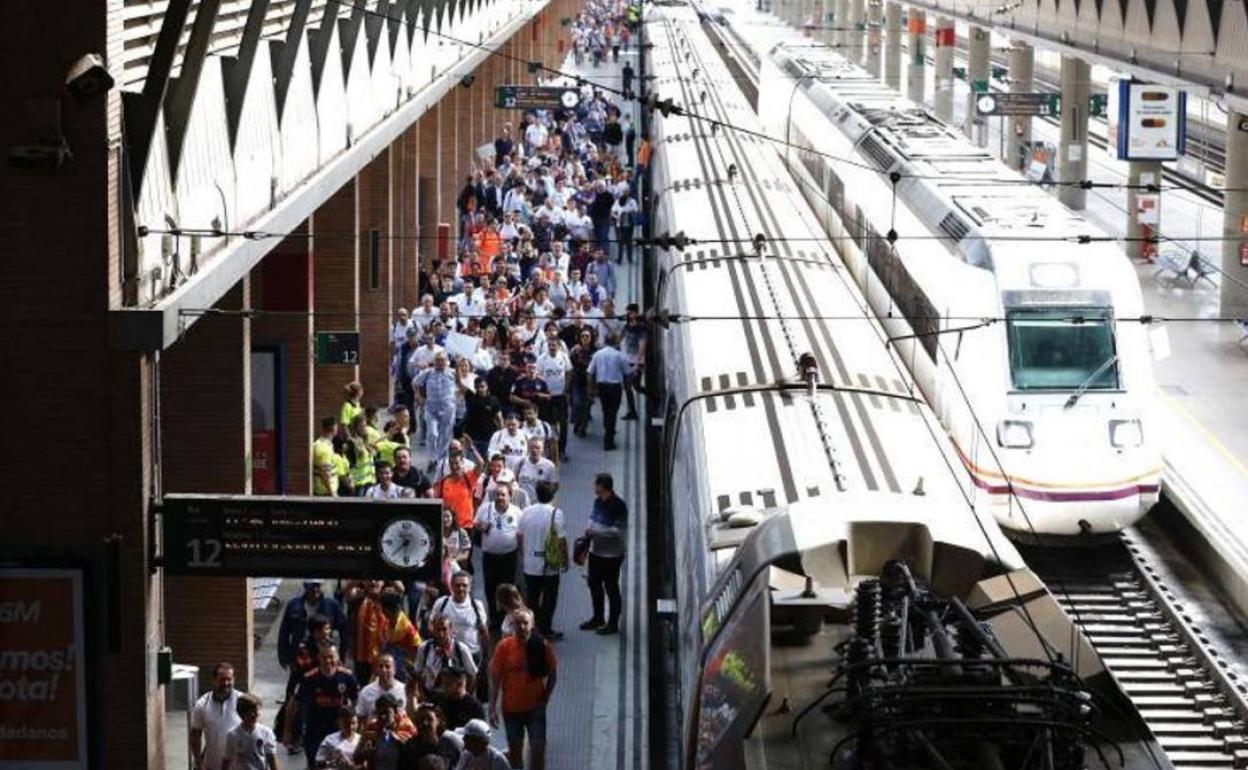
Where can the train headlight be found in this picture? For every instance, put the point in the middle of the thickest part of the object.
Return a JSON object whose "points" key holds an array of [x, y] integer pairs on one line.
{"points": [[1126, 434], [1014, 434]]}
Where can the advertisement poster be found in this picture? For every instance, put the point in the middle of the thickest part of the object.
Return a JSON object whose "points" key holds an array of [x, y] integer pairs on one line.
{"points": [[42, 670], [1146, 122]]}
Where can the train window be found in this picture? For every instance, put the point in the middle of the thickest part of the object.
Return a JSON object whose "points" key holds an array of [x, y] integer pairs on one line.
{"points": [[1049, 351], [734, 686]]}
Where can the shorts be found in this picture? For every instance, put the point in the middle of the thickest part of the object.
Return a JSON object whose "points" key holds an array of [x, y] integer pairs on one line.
{"points": [[517, 722]]}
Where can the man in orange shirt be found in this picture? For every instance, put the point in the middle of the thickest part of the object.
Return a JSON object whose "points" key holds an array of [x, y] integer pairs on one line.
{"points": [[455, 490], [522, 672]]}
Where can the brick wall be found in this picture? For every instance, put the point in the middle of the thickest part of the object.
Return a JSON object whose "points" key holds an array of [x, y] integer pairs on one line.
{"points": [[406, 263], [289, 263], [376, 304], [334, 293], [205, 446], [429, 186]]}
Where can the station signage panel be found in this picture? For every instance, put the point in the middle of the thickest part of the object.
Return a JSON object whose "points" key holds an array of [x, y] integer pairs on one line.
{"points": [[1018, 104], [253, 536], [338, 348], [520, 97], [43, 669], [1146, 122]]}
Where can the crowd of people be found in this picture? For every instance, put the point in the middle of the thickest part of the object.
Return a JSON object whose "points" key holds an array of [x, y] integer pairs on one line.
{"points": [[515, 340]]}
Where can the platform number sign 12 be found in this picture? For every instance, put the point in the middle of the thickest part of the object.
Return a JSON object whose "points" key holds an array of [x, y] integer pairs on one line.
{"points": [[341, 348]]}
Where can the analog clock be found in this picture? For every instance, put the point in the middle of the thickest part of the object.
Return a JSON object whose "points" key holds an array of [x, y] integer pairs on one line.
{"points": [[570, 99], [405, 544]]}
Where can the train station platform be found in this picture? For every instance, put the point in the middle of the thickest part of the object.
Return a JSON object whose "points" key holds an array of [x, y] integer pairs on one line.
{"points": [[597, 716]]}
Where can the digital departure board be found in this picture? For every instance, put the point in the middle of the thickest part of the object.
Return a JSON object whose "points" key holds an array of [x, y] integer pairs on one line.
{"points": [[301, 536], [517, 97]]}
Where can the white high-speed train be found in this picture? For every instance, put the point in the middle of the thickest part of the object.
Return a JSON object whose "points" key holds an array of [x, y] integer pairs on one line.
{"points": [[1050, 405], [798, 459]]}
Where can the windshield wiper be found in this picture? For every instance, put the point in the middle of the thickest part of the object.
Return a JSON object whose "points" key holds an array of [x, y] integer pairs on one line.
{"points": [[1074, 397]]}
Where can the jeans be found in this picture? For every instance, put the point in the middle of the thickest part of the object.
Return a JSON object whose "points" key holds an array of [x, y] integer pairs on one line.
{"points": [[579, 396], [610, 393], [556, 413], [624, 244], [602, 233], [541, 593], [440, 422], [604, 578], [499, 568]]}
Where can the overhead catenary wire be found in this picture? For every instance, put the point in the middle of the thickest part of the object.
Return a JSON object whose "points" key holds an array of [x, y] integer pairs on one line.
{"points": [[537, 66]]}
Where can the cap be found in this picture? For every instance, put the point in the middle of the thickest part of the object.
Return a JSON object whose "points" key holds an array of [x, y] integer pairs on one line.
{"points": [[311, 584], [505, 476], [477, 728]]}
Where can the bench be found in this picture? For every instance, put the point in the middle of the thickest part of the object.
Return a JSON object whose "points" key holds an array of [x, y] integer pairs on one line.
{"points": [[1185, 266]]}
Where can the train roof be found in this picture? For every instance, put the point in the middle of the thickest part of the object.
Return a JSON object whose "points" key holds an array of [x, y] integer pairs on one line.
{"points": [[745, 318]]}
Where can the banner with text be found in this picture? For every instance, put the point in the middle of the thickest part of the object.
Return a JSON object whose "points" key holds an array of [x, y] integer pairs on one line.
{"points": [[42, 670]]}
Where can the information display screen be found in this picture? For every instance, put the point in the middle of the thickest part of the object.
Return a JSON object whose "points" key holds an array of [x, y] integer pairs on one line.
{"points": [[302, 536]]}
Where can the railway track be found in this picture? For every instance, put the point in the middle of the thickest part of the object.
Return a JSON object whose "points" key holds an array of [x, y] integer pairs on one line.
{"points": [[1136, 615]]}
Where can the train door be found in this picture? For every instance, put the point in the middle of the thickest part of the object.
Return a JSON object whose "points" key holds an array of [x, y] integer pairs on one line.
{"points": [[267, 438]]}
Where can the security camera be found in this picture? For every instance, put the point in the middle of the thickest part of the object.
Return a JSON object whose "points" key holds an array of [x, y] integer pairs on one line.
{"points": [[88, 77], [467, 80]]}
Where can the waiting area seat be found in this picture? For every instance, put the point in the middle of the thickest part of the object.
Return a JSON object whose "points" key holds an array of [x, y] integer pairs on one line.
{"points": [[1174, 265]]}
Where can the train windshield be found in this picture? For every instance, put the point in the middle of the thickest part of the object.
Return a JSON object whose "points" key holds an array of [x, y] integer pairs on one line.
{"points": [[1062, 349]]}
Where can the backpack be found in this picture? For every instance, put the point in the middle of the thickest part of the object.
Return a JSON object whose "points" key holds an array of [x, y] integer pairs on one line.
{"points": [[440, 607]]}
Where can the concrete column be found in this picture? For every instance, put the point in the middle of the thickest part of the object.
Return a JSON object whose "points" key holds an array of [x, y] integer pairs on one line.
{"points": [[1234, 298], [335, 292], [875, 36], [1022, 64], [892, 45], [945, 39], [858, 51], [1072, 148], [375, 276], [916, 69], [852, 49], [827, 23], [205, 391], [841, 24], [979, 45], [1143, 207], [281, 285]]}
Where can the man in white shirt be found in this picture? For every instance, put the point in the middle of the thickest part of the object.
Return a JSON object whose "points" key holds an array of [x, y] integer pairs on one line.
{"points": [[250, 745], [576, 287], [401, 326], [497, 520], [535, 135], [509, 441], [212, 718], [468, 616], [534, 467], [385, 488], [384, 684], [539, 523], [553, 366], [426, 313]]}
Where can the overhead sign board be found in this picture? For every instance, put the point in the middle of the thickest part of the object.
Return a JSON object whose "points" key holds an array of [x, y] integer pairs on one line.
{"points": [[518, 97], [338, 348], [1146, 121], [43, 669], [244, 535], [1006, 103]]}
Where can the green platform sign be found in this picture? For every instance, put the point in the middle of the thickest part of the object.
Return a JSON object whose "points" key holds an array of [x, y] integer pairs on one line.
{"points": [[1098, 105]]}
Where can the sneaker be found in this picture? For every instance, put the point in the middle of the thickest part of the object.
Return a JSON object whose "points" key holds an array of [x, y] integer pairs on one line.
{"points": [[629, 416], [591, 624], [608, 630], [609, 446]]}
